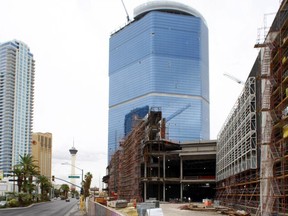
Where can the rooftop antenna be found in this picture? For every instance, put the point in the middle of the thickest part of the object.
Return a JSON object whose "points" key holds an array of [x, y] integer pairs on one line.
{"points": [[127, 15]]}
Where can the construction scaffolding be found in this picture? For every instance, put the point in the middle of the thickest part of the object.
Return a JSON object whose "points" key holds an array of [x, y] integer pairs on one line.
{"points": [[268, 117], [274, 100], [261, 189], [236, 163], [238, 135], [113, 178], [130, 164], [148, 166], [124, 177]]}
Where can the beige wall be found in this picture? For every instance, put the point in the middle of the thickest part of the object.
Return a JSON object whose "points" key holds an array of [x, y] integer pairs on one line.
{"points": [[42, 152]]}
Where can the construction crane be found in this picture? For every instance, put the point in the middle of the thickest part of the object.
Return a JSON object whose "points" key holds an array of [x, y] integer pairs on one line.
{"points": [[127, 15], [179, 111], [164, 121], [234, 78]]}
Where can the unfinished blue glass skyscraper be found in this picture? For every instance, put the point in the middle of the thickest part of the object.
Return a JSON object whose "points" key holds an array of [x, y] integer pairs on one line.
{"points": [[160, 59]]}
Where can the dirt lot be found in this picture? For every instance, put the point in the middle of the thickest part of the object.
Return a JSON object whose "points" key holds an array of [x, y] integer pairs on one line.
{"points": [[172, 209], [178, 209]]}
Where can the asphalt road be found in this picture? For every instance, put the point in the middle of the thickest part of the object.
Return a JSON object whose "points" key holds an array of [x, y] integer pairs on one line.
{"points": [[53, 208]]}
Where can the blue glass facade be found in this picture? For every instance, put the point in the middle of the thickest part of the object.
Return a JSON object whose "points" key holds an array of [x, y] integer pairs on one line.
{"points": [[161, 60], [16, 102]]}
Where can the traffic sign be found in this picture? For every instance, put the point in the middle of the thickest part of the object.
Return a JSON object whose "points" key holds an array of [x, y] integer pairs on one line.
{"points": [[73, 176]]}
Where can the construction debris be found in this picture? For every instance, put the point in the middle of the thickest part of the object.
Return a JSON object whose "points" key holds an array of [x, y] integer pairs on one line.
{"points": [[117, 203], [220, 210]]}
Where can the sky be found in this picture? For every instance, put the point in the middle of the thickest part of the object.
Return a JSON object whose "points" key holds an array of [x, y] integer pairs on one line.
{"points": [[70, 43]]}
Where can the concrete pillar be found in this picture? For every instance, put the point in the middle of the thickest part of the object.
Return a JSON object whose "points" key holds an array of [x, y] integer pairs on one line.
{"points": [[164, 176], [164, 191], [145, 183], [145, 191], [164, 166], [145, 169], [181, 191], [181, 169], [181, 178]]}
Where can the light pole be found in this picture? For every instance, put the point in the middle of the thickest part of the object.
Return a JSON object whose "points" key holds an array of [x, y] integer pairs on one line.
{"points": [[82, 190], [66, 163]]}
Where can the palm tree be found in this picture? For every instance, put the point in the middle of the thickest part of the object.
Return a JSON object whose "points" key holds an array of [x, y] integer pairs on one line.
{"points": [[29, 170], [65, 189], [45, 186], [19, 174], [56, 192], [87, 184], [33, 172]]}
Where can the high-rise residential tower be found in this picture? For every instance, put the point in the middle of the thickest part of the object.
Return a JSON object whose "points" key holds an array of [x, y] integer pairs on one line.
{"points": [[160, 59], [16, 102]]}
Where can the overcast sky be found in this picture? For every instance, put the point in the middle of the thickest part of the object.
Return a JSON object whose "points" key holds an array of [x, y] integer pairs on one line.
{"points": [[70, 43]]}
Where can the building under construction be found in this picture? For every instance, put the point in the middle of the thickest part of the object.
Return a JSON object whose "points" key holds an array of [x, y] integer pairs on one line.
{"points": [[148, 166], [252, 148]]}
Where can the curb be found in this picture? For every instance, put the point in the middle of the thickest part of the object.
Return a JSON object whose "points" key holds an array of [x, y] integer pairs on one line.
{"points": [[24, 207]]}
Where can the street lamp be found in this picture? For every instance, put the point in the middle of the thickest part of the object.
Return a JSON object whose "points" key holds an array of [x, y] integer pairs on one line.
{"points": [[66, 163], [82, 190]]}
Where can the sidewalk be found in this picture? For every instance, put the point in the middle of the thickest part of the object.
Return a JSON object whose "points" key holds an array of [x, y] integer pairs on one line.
{"points": [[75, 211]]}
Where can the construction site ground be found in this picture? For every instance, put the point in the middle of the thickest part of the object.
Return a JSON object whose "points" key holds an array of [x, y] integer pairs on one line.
{"points": [[188, 209], [185, 209], [174, 209]]}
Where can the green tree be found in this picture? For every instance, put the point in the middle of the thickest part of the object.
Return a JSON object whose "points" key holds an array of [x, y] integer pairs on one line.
{"points": [[73, 192], [19, 175], [33, 172], [29, 169], [45, 186], [56, 192], [65, 189], [87, 184]]}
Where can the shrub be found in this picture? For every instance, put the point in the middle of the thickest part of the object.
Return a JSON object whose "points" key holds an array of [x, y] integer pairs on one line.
{"points": [[13, 203], [11, 195], [25, 199]]}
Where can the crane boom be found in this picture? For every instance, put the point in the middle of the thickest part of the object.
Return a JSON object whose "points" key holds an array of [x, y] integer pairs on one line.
{"points": [[234, 78], [177, 112], [127, 15]]}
